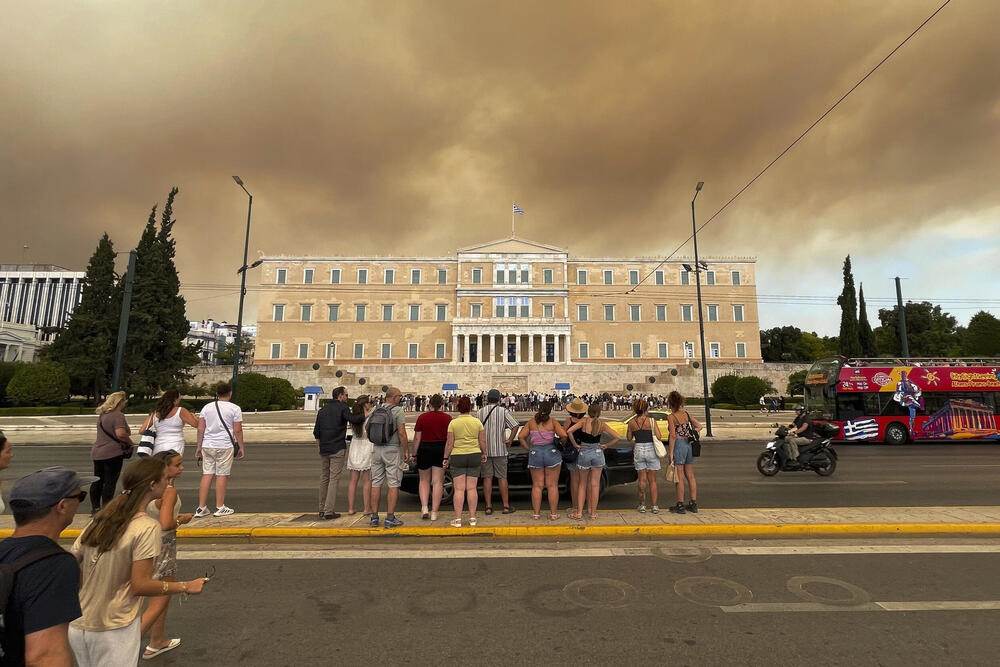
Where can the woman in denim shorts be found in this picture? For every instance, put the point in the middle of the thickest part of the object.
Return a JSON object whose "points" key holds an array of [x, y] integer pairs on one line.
{"points": [[640, 430], [682, 429], [544, 458], [586, 436], [575, 411]]}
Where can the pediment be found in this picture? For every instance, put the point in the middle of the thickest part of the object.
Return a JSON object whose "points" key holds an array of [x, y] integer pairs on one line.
{"points": [[512, 245]]}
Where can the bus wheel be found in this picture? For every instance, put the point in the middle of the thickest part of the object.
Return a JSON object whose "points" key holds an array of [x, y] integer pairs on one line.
{"points": [[896, 434]]}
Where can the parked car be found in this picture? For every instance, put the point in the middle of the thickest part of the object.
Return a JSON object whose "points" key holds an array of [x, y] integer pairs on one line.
{"points": [[620, 427], [619, 469]]}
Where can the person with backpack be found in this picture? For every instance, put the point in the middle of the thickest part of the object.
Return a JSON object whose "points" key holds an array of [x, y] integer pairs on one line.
{"points": [[39, 580], [111, 447], [330, 432], [497, 420], [683, 432], [391, 447], [220, 439], [117, 552]]}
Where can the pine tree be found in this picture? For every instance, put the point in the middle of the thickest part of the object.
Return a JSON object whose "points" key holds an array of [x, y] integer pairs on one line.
{"points": [[866, 337], [85, 348], [850, 344]]}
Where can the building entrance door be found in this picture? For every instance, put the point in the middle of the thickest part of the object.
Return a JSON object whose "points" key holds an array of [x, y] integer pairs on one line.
{"points": [[550, 351], [511, 352], [473, 352]]}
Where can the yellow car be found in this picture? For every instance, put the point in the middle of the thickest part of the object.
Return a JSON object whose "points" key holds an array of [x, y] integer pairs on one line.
{"points": [[621, 427]]}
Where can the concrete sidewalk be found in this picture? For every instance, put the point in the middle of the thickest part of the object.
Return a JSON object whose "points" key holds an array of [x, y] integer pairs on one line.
{"points": [[610, 524]]}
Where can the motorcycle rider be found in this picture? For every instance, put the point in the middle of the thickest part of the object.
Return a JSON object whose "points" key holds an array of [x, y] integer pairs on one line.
{"points": [[802, 434]]}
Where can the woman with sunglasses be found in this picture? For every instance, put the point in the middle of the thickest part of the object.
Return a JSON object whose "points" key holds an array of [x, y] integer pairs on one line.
{"points": [[117, 553], [166, 511], [575, 412]]}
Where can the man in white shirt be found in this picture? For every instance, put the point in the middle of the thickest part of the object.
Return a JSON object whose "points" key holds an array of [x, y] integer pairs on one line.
{"points": [[220, 432]]}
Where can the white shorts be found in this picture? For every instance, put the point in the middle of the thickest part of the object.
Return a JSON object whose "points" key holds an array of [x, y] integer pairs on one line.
{"points": [[217, 461], [120, 646]]}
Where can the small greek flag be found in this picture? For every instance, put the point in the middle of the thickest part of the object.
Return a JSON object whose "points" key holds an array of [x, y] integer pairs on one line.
{"points": [[518, 210], [861, 430]]}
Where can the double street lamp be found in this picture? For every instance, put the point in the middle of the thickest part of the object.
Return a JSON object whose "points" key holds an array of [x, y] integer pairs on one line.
{"points": [[243, 285], [698, 266]]}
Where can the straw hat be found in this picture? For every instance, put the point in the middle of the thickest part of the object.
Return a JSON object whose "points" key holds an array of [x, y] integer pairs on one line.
{"points": [[577, 406]]}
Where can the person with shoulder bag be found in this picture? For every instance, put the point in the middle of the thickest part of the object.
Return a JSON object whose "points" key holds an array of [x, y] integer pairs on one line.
{"points": [[683, 434], [220, 440], [111, 447]]}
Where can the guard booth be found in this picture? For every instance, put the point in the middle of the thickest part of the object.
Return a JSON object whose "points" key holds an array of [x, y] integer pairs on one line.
{"points": [[561, 389], [313, 395], [449, 388]]}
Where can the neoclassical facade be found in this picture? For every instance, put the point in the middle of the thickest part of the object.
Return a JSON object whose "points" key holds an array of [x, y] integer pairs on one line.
{"points": [[508, 302]]}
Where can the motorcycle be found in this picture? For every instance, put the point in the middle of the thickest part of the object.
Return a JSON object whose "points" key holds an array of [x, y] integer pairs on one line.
{"points": [[819, 456]]}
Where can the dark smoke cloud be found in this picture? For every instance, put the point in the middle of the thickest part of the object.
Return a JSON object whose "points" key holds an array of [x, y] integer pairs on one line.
{"points": [[353, 121]]}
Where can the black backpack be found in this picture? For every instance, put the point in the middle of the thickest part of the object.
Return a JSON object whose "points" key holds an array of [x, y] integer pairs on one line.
{"points": [[8, 573], [381, 425]]}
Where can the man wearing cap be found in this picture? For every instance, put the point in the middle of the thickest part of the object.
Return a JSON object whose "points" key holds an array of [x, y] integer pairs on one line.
{"points": [[496, 421], [45, 596]]}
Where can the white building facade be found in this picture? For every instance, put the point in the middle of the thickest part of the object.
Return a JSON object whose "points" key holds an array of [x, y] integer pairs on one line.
{"points": [[40, 295]]}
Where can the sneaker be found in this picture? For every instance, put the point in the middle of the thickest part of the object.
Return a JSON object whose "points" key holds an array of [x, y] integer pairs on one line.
{"points": [[392, 522], [326, 516], [642, 509], [374, 520], [655, 510], [201, 513], [434, 516], [693, 506], [455, 523], [224, 511], [678, 508]]}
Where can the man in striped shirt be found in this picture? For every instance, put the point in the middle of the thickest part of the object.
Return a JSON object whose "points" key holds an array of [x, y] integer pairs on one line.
{"points": [[497, 420]]}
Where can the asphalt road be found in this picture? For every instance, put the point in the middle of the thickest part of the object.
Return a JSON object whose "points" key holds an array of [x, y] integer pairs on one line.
{"points": [[283, 478], [673, 604]]}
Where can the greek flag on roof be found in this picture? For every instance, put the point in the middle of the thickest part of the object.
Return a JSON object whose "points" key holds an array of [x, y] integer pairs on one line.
{"points": [[518, 210]]}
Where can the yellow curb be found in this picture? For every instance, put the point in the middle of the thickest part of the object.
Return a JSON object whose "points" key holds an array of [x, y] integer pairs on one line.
{"points": [[658, 530]]}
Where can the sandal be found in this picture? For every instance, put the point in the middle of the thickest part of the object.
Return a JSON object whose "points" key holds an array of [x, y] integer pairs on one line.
{"points": [[536, 517], [455, 523], [508, 510], [592, 516], [473, 521], [575, 516], [553, 517], [151, 652], [489, 511]]}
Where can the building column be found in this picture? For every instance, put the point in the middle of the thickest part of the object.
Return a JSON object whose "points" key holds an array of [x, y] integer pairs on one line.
{"points": [[482, 349], [517, 348], [569, 350], [454, 348], [557, 338], [531, 348], [466, 348], [503, 348]]}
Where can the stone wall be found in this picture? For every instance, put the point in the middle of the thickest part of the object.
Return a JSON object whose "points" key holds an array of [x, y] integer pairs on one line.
{"points": [[582, 378]]}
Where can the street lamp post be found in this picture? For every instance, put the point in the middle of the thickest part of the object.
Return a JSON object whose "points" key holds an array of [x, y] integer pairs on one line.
{"points": [[701, 318], [243, 286]]}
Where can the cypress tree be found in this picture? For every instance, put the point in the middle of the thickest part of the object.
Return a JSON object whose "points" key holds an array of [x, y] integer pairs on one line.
{"points": [[175, 355], [85, 347], [866, 337], [850, 344]]}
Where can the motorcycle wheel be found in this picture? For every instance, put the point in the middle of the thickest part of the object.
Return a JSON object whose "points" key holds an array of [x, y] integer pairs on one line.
{"points": [[767, 464], [826, 468]]}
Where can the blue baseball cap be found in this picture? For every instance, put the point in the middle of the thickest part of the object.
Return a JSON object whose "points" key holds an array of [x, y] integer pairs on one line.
{"points": [[47, 487]]}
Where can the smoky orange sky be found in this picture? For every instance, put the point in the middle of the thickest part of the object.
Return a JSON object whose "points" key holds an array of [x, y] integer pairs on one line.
{"points": [[409, 127]]}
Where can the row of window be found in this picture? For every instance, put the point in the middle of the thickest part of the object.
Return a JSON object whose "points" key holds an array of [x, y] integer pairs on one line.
{"points": [[413, 350], [510, 307], [507, 274]]}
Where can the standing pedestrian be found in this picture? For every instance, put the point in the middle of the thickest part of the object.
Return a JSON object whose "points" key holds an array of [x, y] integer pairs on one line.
{"points": [[386, 429], [464, 454], [641, 429], [587, 432], [430, 435], [117, 553], [167, 511], [330, 433], [220, 439], [575, 411], [544, 459], [168, 419], [112, 445], [45, 595], [498, 421], [359, 457], [682, 433]]}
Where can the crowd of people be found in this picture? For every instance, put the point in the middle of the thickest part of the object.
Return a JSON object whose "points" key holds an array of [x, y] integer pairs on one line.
{"points": [[532, 401], [93, 604]]}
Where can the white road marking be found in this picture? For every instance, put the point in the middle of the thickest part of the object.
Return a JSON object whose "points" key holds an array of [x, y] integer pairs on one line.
{"points": [[926, 605], [941, 605], [960, 465], [355, 553], [835, 482]]}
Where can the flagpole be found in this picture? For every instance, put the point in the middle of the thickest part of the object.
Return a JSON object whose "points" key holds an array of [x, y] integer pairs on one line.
{"points": [[512, 220]]}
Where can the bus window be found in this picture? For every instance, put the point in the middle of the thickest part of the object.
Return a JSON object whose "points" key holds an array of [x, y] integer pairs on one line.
{"points": [[850, 406]]}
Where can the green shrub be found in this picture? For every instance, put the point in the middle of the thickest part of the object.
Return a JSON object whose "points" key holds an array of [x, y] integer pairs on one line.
{"points": [[39, 384], [45, 411], [253, 392], [7, 370], [750, 388], [797, 383], [724, 388], [283, 394]]}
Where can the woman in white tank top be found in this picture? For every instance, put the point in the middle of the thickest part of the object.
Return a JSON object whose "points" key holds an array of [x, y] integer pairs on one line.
{"points": [[168, 419]]}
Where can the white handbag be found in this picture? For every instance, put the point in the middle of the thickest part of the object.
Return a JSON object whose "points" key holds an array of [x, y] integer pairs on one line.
{"points": [[661, 451]]}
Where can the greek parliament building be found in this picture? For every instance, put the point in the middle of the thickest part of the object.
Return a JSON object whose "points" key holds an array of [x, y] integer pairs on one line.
{"points": [[511, 313], [39, 295]]}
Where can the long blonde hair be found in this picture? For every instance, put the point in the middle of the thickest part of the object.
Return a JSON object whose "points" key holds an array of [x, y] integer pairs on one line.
{"points": [[115, 400], [110, 523], [594, 412]]}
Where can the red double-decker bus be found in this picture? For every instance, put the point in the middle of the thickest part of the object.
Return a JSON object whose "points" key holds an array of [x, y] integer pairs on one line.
{"points": [[902, 400]]}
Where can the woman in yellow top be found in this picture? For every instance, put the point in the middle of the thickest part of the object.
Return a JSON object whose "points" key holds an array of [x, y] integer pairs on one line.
{"points": [[464, 455]]}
